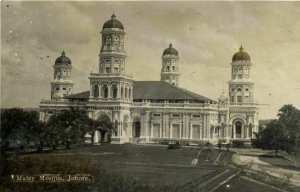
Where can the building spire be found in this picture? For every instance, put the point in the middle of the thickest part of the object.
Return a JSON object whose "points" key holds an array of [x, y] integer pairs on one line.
{"points": [[113, 16], [241, 48], [63, 53], [170, 45]]}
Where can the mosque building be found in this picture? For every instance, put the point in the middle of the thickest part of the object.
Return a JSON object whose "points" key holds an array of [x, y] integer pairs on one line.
{"points": [[155, 111]]}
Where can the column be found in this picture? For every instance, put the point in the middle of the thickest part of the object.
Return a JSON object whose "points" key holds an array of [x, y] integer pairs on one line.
{"points": [[119, 91], [160, 130], [242, 134], [191, 131], [171, 130], [204, 126], [109, 90], [233, 127], [91, 90], [100, 89], [180, 130]]}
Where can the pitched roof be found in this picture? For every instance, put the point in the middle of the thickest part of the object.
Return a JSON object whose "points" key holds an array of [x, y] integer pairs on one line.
{"points": [[158, 90], [154, 90], [82, 95]]}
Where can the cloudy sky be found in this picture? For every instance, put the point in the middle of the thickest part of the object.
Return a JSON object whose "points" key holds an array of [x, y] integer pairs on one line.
{"points": [[206, 35]]}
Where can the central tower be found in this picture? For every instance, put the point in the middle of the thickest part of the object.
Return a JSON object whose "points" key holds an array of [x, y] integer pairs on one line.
{"points": [[111, 83]]}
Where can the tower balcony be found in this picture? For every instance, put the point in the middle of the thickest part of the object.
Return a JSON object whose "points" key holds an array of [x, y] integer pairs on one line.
{"points": [[110, 75]]}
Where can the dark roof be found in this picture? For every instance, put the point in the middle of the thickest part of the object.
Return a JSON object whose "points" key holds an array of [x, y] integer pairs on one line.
{"points": [[241, 55], [63, 60], [158, 90], [82, 95], [113, 23], [170, 51], [154, 90]]}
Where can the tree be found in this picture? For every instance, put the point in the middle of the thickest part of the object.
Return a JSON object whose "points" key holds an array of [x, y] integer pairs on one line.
{"points": [[66, 127], [281, 134], [289, 118], [19, 126], [104, 125]]}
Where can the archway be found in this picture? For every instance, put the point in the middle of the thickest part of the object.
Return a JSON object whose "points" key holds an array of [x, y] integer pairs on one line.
{"points": [[238, 126], [96, 91], [136, 128], [105, 127]]}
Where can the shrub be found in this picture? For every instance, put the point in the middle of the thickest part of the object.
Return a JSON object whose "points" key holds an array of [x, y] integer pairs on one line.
{"points": [[176, 145], [238, 144]]}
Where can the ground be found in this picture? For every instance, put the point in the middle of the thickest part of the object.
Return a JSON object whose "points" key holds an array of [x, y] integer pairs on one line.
{"points": [[157, 166]]}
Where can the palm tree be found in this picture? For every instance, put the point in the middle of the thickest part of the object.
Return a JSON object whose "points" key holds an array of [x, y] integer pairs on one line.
{"points": [[103, 125]]}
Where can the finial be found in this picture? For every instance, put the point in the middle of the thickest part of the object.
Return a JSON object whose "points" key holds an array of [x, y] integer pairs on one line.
{"points": [[170, 45], [63, 53], [241, 48], [113, 16]]}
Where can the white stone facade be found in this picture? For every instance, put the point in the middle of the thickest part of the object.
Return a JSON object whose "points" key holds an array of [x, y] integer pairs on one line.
{"points": [[232, 117]]}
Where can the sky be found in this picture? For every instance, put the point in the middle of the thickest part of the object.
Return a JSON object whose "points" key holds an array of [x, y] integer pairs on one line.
{"points": [[206, 35]]}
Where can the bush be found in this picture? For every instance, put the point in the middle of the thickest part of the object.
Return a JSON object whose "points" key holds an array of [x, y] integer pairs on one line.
{"points": [[176, 145], [238, 144], [164, 142]]}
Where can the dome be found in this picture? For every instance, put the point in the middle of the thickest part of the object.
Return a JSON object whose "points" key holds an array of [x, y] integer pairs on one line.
{"points": [[113, 23], [63, 60], [241, 55], [170, 51]]}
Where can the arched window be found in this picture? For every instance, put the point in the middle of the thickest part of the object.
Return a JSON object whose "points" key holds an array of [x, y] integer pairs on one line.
{"points": [[168, 68], [173, 68], [238, 125], [129, 93], [126, 93], [96, 90], [114, 90], [104, 91], [122, 92]]}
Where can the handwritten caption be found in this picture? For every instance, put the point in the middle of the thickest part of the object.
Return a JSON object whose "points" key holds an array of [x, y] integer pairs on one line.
{"points": [[53, 178]]}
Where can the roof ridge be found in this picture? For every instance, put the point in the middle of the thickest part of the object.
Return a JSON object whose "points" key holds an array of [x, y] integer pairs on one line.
{"points": [[188, 92]]}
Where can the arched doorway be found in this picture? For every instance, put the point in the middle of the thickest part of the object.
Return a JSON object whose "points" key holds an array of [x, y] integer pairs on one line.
{"points": [[238, 126], [136, 128], [105, 127]]}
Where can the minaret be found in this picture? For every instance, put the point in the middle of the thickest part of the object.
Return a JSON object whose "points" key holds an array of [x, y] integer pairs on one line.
{"points": [[243, 112], [169, 71], [241, 86], [61, 86], [112, 53], [111, 83]]}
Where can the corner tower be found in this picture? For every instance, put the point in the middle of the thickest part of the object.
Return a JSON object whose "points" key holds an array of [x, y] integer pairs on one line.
{"points": [[241, 86], [243, 112], [62, 85], [169, 71]]}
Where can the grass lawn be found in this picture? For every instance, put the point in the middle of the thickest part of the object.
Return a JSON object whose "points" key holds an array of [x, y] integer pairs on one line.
{"points": [[154, 164]]}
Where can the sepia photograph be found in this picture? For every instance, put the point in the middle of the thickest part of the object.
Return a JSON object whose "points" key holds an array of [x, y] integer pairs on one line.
{"points": [[150, 96]]}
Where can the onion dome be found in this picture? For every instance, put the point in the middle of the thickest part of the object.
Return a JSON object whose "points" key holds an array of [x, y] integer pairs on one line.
{"points": [[113, 23], [63, 60], [170, 51], [241, 55]]}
